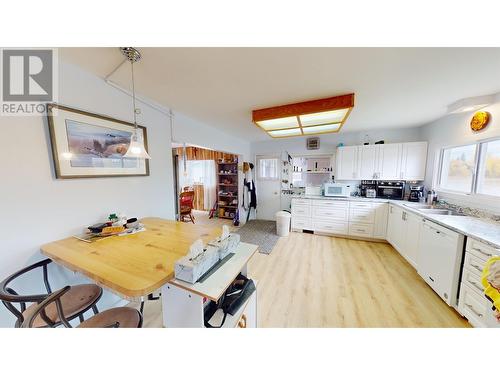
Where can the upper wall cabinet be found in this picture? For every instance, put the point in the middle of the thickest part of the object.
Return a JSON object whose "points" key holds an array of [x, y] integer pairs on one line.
{"points": [[396, 161], [347, 163], [414, 157]]}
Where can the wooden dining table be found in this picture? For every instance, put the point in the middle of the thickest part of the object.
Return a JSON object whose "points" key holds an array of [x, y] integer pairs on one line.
{"points": [[134, 265]]}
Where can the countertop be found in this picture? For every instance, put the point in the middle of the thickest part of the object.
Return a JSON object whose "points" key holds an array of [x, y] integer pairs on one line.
{"points": [[486, 231]]}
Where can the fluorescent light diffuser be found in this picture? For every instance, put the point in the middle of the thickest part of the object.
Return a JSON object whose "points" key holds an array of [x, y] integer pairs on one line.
{"points": [[284, 133], [329, 128], [326, 115], [322, 118], [279, 123]]}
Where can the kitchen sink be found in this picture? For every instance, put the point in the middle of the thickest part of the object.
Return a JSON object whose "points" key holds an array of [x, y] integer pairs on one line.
{"points": [[439, 211], [417, 206]]}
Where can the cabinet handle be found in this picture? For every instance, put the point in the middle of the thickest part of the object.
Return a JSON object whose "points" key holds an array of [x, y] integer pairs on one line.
{"points": [[477, 267], [243, 321], [477, 286], [482, 252], [471, 308]]}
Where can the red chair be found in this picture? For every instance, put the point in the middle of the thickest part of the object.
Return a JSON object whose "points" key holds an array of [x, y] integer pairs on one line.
{"points": [[186, 205]]}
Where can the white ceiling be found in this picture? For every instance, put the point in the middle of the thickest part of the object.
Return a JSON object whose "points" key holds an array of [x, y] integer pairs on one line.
{"points": [[394, 87]]}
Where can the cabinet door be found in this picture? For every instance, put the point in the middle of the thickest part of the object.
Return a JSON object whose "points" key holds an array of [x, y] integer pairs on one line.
{"points": [[412, 237], [347, 162], [389, 161], [381, 219], [367, 162], [413, 160], [394, 225]]}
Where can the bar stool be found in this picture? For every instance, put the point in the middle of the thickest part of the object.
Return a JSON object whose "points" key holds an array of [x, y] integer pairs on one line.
{"points": [[118, 317], [78, 299]]}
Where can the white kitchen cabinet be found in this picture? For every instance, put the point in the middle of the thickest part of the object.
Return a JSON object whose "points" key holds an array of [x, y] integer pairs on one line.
{"points": [[413, 161], [439, 258], [395, 227], [472, 302], [403, 233], [389, 161], [368, 162], [347, 163], [381, 218], [411, 240], [392, 161]]}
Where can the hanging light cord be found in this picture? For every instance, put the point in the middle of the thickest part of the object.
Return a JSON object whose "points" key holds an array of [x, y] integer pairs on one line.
{"points": [[133, 96]]}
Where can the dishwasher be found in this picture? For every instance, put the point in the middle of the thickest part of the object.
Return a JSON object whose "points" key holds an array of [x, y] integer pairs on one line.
{"points": [[440, 260]]}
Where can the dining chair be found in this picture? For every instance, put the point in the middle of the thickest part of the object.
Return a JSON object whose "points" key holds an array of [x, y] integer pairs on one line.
{"points": [[118, 317], [186, 205], [78, 299]]}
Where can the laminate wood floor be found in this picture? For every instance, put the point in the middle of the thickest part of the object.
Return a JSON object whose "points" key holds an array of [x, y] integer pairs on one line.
{"points": [[319, 281]]}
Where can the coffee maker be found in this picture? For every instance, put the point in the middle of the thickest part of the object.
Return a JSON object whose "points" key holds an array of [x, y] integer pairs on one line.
{"points": [[416, 193]]}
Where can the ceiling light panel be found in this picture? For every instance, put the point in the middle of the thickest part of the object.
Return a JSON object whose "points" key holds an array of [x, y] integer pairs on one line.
{"points": [[284, 133], [279, 123], [329, 128], [322, 118], [326, 115]]}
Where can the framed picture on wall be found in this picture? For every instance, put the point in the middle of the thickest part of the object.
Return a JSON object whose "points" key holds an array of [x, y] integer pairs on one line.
{"points": [[89, 145]]}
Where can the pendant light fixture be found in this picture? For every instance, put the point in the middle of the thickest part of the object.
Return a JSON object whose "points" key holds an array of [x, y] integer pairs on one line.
{"points": [[136, 148]]}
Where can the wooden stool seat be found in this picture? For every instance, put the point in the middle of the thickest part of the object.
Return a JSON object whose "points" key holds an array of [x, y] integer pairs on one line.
{"points": [[77, 300], [122, 317]]}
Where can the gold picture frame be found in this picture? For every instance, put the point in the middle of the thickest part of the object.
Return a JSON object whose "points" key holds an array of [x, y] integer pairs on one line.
{"points": [[89, 145]]}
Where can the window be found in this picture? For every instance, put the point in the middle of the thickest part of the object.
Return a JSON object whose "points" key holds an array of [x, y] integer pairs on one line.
{"points": [[489, 172], [268, 169], [457, 168], [459, 165]]}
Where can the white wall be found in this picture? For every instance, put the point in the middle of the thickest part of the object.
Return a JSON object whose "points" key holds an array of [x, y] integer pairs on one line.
{"points": [[36, 208], [455, 130], [329, 142]]}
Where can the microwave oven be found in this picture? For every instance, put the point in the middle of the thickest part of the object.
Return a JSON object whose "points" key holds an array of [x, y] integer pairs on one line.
{"points": [[333, 189]]}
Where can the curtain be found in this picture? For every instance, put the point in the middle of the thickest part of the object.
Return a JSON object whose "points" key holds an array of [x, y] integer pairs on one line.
{"points": [[200, 172]]}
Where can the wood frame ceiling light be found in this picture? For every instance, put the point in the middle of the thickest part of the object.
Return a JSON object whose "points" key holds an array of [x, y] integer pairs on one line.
{"points": [[319, 116]]}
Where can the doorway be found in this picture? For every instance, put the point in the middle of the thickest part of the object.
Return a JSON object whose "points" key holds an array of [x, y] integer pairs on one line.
{"points": [[207, 182]]}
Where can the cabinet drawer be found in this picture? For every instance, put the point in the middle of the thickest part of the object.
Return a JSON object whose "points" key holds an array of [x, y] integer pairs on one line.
{"points": [[481, 250], [301, 223], [334, 227], [301, 202], [474, 264], [320, 212], [366, 205], [472, 306], [330, 203], [361, 230], [299, 210], [362, 215], [472, 280]]}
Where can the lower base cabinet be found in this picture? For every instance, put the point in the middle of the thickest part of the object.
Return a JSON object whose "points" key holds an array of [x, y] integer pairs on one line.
{"points": [[472, 303], [357, 218], [403, 233]]}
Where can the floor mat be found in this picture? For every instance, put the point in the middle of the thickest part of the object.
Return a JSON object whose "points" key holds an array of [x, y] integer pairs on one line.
{"points": [[261, 233]]}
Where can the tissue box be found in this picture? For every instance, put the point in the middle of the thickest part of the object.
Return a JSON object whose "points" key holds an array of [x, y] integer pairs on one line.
{"points": [[191, 269], [227, 245]]}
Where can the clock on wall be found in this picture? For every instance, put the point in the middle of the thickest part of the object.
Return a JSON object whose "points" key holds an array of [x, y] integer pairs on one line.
{"points": [[479, 121]]}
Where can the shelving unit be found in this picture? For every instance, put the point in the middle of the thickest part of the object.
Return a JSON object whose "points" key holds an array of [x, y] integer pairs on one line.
{"points": [[227, 189]]}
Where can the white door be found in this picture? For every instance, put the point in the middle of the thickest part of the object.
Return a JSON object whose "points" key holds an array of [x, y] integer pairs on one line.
{"points": [[347, 158], [367, 162], [381, 219], [389, 161], [412, 237], [268, 184], [413, 160], [395, 227]]}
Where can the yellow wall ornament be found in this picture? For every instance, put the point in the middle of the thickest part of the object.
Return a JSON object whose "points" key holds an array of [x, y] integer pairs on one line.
{"points": [[479, 121]]}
